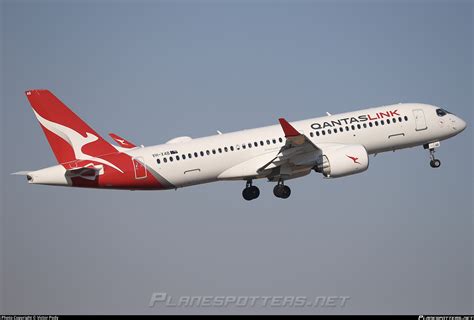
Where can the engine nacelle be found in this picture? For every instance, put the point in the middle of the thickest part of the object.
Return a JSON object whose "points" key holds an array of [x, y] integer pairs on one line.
{"points": [[339, 161]]}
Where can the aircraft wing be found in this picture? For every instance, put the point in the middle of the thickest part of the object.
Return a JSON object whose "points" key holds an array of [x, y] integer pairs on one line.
{"points": [[297, 155], [296, 158], [293, 136]]}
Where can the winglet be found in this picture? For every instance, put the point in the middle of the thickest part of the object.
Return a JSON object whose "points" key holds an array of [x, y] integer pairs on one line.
{"points": [[121, 141], [288, 129]]}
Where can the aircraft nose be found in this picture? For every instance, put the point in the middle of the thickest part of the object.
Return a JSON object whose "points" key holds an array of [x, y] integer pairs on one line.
{"points": [[461, 124]]}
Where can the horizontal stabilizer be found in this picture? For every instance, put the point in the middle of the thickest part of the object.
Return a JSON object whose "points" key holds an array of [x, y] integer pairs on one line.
{"points": [[89, 173], [20, 173], [121, 141]]}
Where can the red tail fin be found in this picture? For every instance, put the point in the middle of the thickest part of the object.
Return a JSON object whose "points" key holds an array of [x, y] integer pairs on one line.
{"points": [[68, 135]]}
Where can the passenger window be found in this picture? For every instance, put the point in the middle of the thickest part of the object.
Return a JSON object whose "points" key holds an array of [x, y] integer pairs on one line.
{"points": [[231, 148], [280, 139], [255, 144], [208, 152], [202, 153], [394, 120], [250, 145], [317, 133], [311, 134], [243, 146], [158, 161], [370, 124], [268, 141], [388, 121], [165, 160], [225, 149], [353, 127], [213, 151], [195, 154], [358, 126], [323, 132], [365, 125], [177, 158], [382, 122], [171, 159], [347, 128], [406, 118], [399, 119], [220, 150], [261, 143], [329, 131], [376, 123], [274, 141], [183, 157]]}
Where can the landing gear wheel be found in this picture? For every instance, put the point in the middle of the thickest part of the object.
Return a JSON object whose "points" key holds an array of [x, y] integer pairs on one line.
{"points": [[277, 190], [281, 191], [246, 194], [254, 191], [435, 163], [286, 192], [250, 192]]}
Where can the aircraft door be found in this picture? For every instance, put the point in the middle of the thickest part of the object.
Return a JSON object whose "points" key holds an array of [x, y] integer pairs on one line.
{"points": [[420, 120], [139, 167]]}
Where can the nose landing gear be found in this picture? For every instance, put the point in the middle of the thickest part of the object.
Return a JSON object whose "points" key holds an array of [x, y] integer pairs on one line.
{"points": [[250, 192], [434, 163]]}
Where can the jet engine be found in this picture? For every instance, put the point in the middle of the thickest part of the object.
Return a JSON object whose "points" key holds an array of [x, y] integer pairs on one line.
{"points": [[344, 160]]}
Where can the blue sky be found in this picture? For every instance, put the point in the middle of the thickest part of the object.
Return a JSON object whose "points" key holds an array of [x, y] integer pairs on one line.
{"points": [[396, 239]]}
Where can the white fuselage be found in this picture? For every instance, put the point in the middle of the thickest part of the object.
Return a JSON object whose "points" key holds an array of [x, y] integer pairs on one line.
{"points": [[377, 129], [336, 146]]}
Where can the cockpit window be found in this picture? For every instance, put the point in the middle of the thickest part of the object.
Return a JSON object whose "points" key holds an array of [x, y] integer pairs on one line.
{"points": [[441, 113]]}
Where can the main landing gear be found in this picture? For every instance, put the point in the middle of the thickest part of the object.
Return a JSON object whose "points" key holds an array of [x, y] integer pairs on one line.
{"points": [[281, 191], [250, 192]]}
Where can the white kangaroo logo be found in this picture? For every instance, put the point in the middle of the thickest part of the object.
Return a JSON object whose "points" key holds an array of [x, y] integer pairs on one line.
{"points": [[75, 140]]}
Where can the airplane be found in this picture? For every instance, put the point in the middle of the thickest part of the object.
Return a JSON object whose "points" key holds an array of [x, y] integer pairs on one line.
{"points": [[335, 145]]}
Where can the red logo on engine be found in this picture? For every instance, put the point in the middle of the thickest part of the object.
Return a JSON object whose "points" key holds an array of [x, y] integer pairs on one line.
{"points": [[353, 159]]}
